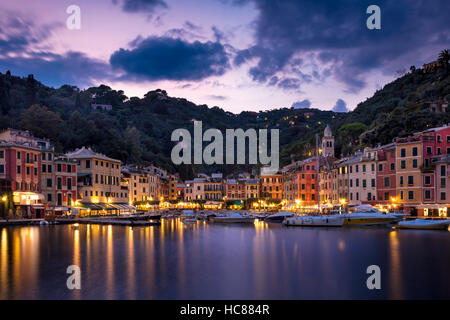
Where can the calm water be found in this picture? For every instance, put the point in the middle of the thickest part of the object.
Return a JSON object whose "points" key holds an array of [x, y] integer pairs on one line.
{"points": [[212, 261]]}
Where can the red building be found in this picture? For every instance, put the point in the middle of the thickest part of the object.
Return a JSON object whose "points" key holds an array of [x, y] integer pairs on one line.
{"points": [[386, 175], [435, 143], [307, 182], [235, 189], [65, 189], [20, 164]]}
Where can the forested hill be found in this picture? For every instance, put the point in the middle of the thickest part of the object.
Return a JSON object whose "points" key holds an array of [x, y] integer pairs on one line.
{"points": [[138, 130]]}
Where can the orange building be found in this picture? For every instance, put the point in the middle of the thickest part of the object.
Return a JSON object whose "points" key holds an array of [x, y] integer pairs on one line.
{"points": [[408, 154]]}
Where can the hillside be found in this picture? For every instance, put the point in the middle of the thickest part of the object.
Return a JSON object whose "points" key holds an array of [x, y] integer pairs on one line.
{"points": [[138, 130]]}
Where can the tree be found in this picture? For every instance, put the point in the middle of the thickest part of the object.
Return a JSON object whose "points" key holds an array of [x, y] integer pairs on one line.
{"points": [[350, 133], [444, 57], [41, 121]]}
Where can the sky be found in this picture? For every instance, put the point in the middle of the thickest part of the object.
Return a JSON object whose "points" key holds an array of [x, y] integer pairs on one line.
{"points": [[236, 54]]}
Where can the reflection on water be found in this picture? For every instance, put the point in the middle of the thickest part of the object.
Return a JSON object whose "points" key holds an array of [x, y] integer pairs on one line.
{"points": [[221, 261]]}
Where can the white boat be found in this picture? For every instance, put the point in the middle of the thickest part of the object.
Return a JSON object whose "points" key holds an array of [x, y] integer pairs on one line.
{"points": [[424, 224], [233, 218], [315, 221], [366, 215], [279, 217]]}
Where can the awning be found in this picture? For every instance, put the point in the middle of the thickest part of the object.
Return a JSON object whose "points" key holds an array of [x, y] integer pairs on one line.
{"points": [[91, 206], [83, 174], [124, 206]]}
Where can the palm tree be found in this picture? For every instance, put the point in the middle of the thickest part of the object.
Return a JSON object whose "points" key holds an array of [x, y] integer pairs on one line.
{"points": [[444, 57]]}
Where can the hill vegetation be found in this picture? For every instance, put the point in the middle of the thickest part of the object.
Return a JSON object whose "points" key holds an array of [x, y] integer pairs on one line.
{"points": [[138, 130]]}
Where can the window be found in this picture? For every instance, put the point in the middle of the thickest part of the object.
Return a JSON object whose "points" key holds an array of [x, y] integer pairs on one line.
{"points": [[439, 138], [429, 150], [364, 168], [369, 196], [401, 180], [59, 199], [69, 183], [387, 182], [59, 182], [403, 164], [401, 195], [88, 164], [18, 154], [49, 156], [386, 196], [427, 180], [442, 182], [443, 196], [414, 163], [49, 195], [373, 183], [403, 152], [356, 168], [410, 195], [427, 194], [410, 180], [442, 170], [44, 167], [43, 156], [364, 183], [357, 182], [18, 169], [58, 167], [392, 166], [2, 168], [49, 183], [49, 168], [414, 151], [438, 150]]}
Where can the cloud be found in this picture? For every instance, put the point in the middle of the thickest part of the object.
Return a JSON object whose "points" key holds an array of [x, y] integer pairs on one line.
{"points": [[304, 104], [23, 51], [340, 106], [216, 97], [289, 83], [147, 6], [334, 33], [165, 58], [56, 69]]}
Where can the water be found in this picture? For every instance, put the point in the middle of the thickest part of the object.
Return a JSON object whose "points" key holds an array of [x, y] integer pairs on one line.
{"points": [[215, 261]]}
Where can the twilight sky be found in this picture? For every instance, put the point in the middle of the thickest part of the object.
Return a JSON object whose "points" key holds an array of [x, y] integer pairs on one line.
{"points": [[236, 54]]}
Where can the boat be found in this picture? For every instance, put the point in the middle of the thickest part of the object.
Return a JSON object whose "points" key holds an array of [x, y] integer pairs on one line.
{"points": [[424, 224], [366, 215], [233, 218], [279, 217], [315, 221]]}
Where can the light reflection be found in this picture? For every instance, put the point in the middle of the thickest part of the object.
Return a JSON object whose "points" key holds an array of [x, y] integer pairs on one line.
{"points": [[110, 264], [76, 257], [131, 266], [4, 264], [395, 272]]}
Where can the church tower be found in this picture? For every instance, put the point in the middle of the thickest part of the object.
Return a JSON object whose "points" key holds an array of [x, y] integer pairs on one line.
{"points": [[328, 143]]}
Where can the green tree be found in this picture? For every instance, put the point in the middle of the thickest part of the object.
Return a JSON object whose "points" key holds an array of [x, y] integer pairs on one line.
{"points": [[41, 121]]}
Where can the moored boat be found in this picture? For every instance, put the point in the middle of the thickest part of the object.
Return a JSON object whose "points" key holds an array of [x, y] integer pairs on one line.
{"points": [[279, 217], [366, 215], [233, 218], [315, 221], [424, 224]]}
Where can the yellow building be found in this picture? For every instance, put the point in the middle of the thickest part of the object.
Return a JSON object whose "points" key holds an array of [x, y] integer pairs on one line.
{"points": [[99, 181]]}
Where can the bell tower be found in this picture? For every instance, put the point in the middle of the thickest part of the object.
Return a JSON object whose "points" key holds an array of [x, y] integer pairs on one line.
{"points": [[328, 143]]}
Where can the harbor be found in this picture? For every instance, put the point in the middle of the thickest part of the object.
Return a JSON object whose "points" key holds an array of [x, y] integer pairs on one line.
{"points": [[202, 259]]}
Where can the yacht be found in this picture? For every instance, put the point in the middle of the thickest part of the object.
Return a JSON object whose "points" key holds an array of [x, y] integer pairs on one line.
{"points": [[315, 221], [424, 224], [233, 218], [366, 215], [279, 217]]}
